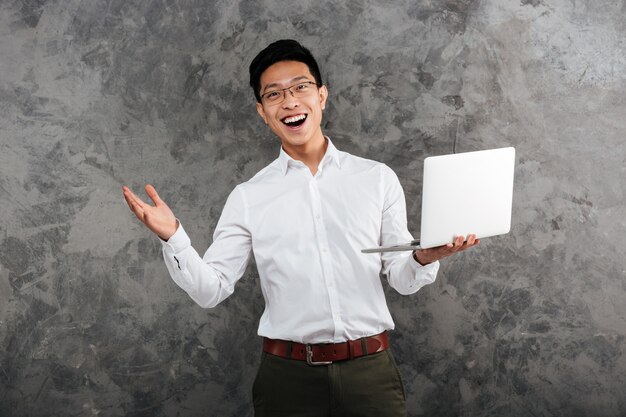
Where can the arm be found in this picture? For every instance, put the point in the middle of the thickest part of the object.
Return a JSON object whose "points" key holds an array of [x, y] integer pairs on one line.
{"points": [[404, 273], [407, 273], [210, 279]]}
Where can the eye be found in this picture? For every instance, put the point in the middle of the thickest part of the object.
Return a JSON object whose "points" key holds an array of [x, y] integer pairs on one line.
{"points": [[272, 95], [302, 87]]}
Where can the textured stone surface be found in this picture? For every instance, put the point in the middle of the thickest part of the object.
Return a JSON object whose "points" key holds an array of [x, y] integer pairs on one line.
{"points": [[95, 94]]}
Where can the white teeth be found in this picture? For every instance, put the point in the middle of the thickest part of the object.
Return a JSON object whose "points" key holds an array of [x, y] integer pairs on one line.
{"points": [[294, 118]]}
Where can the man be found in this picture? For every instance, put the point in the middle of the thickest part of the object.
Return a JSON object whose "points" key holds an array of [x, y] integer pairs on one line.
{"points": [[306, 216]]}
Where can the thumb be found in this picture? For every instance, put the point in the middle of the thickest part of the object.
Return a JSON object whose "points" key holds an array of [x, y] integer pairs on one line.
{"points": [[153, 195]]}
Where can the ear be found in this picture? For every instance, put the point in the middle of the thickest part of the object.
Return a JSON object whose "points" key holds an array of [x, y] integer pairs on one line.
{"points": [[323, 94], [259, 109]]}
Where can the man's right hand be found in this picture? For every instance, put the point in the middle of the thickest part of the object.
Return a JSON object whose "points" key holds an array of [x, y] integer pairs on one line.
{"points": [[158, 218]]}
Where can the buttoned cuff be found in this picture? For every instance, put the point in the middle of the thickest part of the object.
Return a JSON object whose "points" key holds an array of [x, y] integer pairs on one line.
{"points": [[179, 241]]}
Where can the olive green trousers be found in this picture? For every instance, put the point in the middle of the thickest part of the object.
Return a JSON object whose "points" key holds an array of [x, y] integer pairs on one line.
{"points": [[369, 386]]}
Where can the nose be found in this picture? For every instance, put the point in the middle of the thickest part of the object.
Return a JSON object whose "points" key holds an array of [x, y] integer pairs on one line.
{"points": [[290, 101]]}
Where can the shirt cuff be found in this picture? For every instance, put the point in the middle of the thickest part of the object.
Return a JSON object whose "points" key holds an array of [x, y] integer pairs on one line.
{"points": [[416, 265], [179, 241]]}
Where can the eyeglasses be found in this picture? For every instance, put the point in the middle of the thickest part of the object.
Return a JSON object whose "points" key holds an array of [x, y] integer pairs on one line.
{"points": [[299, 90]]}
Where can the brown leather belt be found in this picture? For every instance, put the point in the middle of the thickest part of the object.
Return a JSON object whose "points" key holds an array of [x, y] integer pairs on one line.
{"points": [[326, 353]]}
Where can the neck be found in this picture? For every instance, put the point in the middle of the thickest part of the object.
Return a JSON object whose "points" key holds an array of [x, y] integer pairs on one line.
{"points": [[311, 152]]}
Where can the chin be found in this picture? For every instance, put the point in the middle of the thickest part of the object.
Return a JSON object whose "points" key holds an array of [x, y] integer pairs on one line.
{"points": [[296, 141], [295, 137]]}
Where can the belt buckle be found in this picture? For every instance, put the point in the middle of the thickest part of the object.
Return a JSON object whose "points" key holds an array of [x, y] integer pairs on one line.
{"points": [[309, 357]]}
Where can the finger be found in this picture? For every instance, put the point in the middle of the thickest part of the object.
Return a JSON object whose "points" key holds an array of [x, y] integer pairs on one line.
{"points": [[138, 210], [153, 195], [136, 200], [471, 241], [458, 242], [128, 201]]}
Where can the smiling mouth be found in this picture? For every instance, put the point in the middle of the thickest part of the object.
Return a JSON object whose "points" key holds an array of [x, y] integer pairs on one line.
{"points": [[295, 121]]}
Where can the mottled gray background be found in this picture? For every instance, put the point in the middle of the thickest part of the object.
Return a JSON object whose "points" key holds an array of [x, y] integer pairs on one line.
{"points": [[95, 94]]}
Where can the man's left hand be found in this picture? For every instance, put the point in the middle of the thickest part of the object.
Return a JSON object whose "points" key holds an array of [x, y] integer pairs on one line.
{"points": [[426, 256]]}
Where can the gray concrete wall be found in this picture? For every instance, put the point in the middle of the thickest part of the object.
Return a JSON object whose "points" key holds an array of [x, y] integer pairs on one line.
{"points": [[95, 94]]}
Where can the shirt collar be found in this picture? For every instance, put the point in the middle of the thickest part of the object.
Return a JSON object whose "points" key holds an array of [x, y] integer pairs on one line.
{"points": [[332, 154]]}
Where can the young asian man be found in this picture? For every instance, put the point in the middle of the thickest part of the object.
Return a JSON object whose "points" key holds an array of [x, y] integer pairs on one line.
{"points": [[304, 218]]}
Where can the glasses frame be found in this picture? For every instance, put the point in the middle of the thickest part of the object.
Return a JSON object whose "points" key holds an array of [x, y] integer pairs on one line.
{"points": [[283, 94]]}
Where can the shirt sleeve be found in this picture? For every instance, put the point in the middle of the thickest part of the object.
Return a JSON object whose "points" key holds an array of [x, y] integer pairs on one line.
{"points": [[403, 272], [211, 279]]}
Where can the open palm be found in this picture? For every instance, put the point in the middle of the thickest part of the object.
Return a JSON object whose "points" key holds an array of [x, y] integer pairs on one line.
{"points": [[158, 218]]}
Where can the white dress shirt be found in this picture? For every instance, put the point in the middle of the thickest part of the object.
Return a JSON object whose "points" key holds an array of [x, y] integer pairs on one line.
{"points": [[306, 233]]}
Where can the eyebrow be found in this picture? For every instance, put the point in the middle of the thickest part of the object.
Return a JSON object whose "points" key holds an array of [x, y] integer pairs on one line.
{"points": [[302, 77]]}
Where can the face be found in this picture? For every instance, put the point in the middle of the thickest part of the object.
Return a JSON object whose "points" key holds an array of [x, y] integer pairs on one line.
{"points": [[280, 116]]}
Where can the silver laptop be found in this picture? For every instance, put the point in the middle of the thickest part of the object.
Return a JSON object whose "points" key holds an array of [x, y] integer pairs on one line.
{"points": [[463, 193]]}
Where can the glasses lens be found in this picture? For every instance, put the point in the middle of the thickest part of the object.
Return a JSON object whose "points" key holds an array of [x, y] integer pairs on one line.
{"points": [[301, 89], [273, 96]]}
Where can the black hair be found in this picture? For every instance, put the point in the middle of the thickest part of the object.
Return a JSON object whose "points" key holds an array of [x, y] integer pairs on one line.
{"points": [[281, 50]]}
